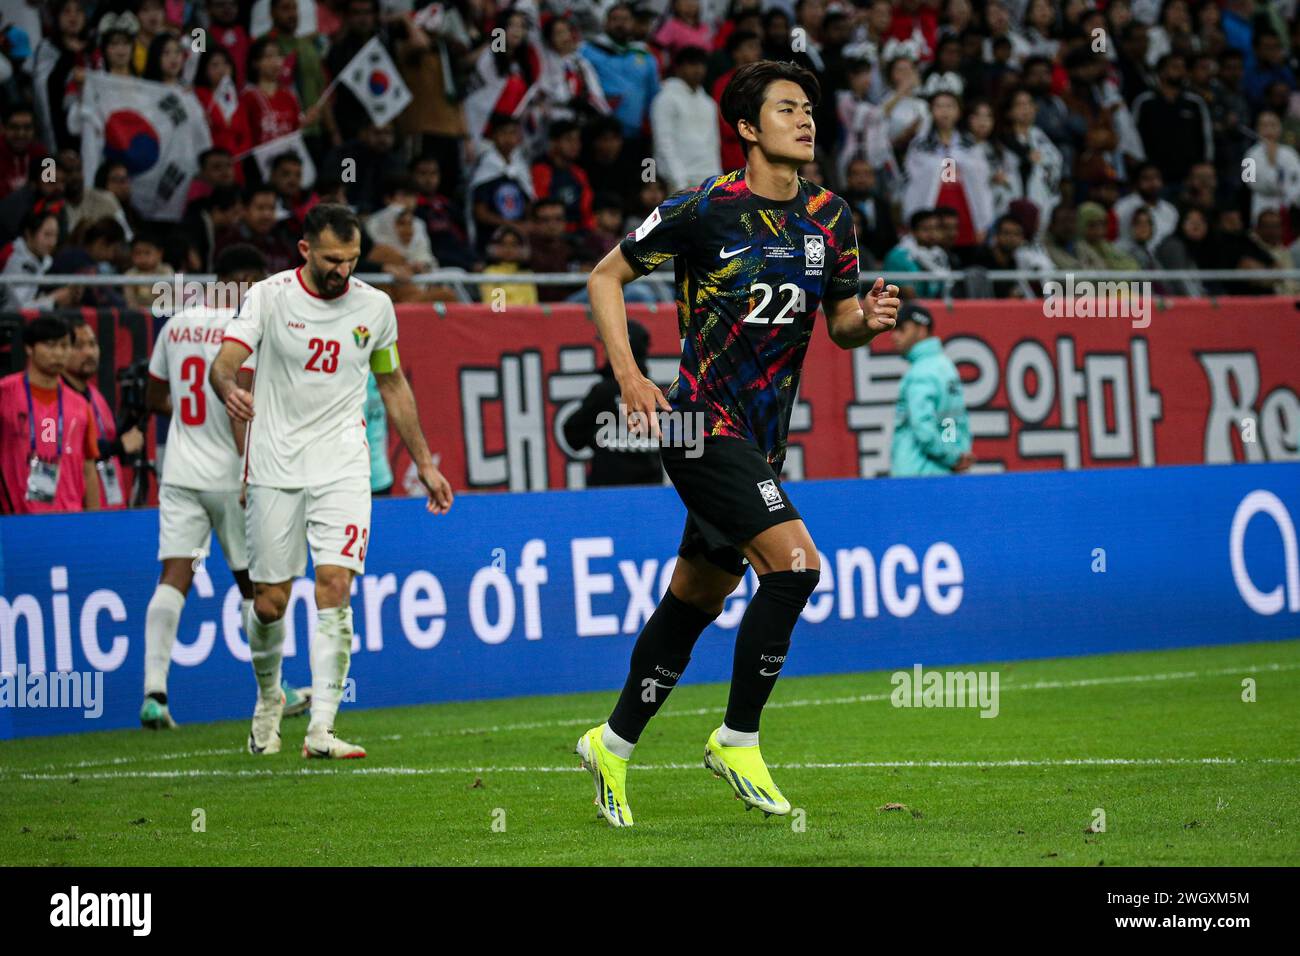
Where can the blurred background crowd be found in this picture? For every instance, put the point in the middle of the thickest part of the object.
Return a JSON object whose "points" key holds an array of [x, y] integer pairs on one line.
{"points": [[530, 136]]}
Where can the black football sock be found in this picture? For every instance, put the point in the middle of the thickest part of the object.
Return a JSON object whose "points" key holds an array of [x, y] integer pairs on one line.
{"points": [[763, 641], [658, 659]]}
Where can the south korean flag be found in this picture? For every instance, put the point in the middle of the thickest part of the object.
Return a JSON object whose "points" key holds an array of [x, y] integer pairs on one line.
{"points": [[373, 79]]}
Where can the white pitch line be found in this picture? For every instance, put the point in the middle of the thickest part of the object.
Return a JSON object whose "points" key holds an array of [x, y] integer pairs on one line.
{"points": [[199, 774], [704, 711]]}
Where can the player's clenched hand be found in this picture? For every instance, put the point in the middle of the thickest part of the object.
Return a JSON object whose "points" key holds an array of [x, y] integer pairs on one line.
{"points": [[440, 495], [239, 404], [882, 306], [642, 401]]}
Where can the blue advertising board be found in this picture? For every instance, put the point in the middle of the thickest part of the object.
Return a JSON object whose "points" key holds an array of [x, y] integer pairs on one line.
{"points": [[544, 593]]}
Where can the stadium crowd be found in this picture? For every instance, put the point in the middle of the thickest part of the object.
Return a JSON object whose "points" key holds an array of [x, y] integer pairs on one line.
{"points": [[529, 136]]}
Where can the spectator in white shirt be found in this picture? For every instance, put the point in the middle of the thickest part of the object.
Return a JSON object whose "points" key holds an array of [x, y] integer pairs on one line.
{"points": [[684, 120], [1148, 184], [1271, 170]]}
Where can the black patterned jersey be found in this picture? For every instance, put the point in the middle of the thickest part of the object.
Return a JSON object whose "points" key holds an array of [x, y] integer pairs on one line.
{"points": [[750, 273]]}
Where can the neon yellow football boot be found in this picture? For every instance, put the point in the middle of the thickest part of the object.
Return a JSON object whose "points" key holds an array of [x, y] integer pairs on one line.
{"points": [[609, 771], [744, 770]]}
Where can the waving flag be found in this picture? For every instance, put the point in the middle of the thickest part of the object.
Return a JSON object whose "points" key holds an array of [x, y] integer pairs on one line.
{"points": [[157, 130], [226, 97], [373, 79], [292, 143]]}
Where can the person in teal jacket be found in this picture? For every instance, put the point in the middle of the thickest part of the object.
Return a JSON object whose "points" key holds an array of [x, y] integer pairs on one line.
{"points": [[381, 473], [931, 432]]}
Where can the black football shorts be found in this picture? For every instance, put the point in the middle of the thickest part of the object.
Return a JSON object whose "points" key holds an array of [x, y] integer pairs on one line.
{"points": [[731, 495]]}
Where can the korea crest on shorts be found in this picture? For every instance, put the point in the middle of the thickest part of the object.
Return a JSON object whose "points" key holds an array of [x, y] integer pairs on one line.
{"points": [[361, 335], [814, 250]]}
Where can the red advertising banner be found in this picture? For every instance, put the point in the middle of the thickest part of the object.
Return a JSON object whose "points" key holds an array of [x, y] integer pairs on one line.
{"points": [[1197, 381]]}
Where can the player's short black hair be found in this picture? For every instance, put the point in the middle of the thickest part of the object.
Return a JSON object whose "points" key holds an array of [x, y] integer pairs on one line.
{"points": [[239, 257], [45, 328], [747, 88], [335, 217]]}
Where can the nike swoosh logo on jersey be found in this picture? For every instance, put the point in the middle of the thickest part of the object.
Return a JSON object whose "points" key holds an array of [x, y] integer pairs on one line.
{"points": [[772, 674], [724, 254]]}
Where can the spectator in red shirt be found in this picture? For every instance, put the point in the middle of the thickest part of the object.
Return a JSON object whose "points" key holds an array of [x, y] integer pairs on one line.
{"points": [[743, 47], [230, 132], [47, 433], [18, 148], [273, 109], [911, 16], [79, 374], [224, 26]]}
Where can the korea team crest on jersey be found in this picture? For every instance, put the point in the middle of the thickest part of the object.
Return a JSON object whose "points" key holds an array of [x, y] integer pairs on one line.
{"points": [[361, 335], [814, 250]]}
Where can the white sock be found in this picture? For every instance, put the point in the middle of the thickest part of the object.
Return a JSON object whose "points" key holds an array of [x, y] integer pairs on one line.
{"points": [[735, 738], [331, 652], [161, 621], [266, 645], [616, 744]]}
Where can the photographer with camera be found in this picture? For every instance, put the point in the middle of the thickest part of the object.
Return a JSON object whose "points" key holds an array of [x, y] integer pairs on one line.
{"points": [[119, 441]]}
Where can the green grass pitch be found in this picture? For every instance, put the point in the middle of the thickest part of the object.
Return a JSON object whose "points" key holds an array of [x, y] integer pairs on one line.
{"points": [[1185, 771]]}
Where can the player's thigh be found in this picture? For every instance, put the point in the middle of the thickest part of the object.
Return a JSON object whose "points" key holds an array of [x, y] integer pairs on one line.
{"points": [[184, 528], [338, 524], [275, 523], [783, 547], [702, 584], [227, 517]]}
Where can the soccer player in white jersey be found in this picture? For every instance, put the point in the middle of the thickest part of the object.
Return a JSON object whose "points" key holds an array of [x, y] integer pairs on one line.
{"points": [[317, 332], [201, 475]]}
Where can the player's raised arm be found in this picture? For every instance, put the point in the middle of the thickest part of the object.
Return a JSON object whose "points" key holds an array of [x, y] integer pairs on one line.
{"points": [[853, 322], [224, 380]]}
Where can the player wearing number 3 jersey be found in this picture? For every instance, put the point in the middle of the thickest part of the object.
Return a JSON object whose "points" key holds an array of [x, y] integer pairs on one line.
{"points": [[317, 334], [200, 478]]}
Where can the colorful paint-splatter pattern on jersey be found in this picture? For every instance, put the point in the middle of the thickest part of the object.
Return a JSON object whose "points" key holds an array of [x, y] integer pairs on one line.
{"points": [[750, 274]]}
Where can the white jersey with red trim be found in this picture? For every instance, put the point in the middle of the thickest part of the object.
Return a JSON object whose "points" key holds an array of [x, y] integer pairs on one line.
{"points": [[313, 363], [200, 447]]}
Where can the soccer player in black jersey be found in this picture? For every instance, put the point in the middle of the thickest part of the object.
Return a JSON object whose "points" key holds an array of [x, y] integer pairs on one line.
{"points": [[755, 251]]}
